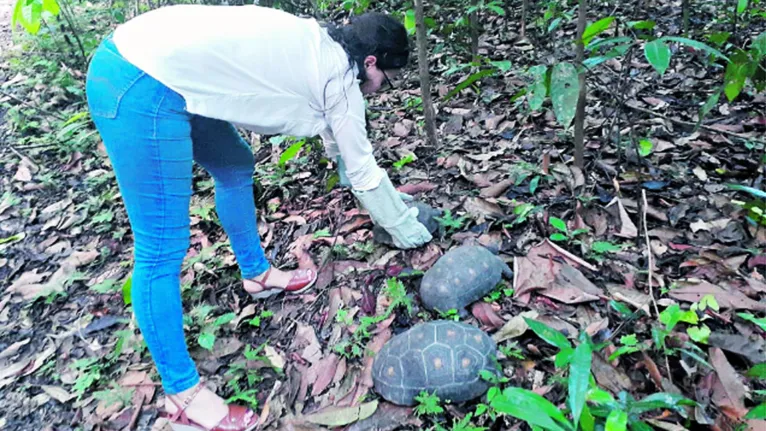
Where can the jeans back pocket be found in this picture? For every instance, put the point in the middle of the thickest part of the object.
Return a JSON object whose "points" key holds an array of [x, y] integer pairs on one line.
{"points": [[109, 77]]}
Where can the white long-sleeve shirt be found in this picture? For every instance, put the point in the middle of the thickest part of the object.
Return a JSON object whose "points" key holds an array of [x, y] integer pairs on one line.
{"points": [[259, 68]]}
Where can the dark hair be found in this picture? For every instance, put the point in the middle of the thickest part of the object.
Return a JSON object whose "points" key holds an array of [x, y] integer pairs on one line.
{"points": [[375, 34]]}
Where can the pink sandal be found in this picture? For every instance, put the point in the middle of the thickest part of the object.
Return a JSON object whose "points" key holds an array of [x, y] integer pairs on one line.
{"points": [[300, 282], [239, 418]]}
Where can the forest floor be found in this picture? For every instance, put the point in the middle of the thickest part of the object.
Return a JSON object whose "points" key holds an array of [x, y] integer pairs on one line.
{"points": [[71, 356]]}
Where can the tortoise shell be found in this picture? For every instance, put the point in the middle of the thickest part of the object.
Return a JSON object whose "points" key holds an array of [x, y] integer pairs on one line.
{"points": [[463, 275], [441, 356]]}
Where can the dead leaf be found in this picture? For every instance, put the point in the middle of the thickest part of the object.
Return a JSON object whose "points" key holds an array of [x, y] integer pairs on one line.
{"points": [[13, 349], [726, 299], [415, 188], [631, 296], [388, 417], [275, 358], [496, 189], [568, 295], [493, 121], [58, 393], [403, 128], [486, 315], [325, 373], [700, 173], [373, 346], [540, 267], [425, 258], [57, 280], [514, 327], [480, 209], [306, 338], [336, 417], [728, 390], [609, 376], [752, 348], [627, 229], [23, 174]]}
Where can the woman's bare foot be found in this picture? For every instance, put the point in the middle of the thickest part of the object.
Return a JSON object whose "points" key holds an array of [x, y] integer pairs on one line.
{"points": [[206, 408], [275, 281]]}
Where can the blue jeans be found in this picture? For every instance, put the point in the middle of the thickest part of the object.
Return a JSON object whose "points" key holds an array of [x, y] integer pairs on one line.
{"points": [[152, 142]]}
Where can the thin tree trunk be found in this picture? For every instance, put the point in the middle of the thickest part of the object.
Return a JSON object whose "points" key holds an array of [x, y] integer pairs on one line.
{"points": [[734, 18], [425, 81], [580, 114], [524, 9], [473, 23], [686, 8]]}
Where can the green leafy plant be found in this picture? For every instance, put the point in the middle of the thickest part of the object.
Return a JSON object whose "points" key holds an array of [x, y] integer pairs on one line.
{"points": [[89, 374], [761, 322], [257, 320], [461, 425], [554, 338], [451, 314], [208, 327], [405, 160], [242, 378], [604, 247], [116, 394], [499, 292], [563, 233], [629, 344], [512, 350], [449, 223], [428, 404]]}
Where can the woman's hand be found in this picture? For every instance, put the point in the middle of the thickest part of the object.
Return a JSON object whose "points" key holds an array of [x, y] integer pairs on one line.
{"points": [[387, 210]]}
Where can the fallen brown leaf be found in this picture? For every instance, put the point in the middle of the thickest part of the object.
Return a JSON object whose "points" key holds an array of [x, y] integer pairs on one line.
{"points": [[728, 390], [486, 315], [387, 417], [609, 376], [481, 209], [540, 267], [496, 189], [514, 327], [726, 299], [325, 372], [753, 348]]}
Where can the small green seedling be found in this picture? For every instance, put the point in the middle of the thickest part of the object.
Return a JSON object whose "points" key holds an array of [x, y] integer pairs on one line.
{"points": [[563, 233], [409, 158], [512, 350], [257, 320], [498, 293], [428, 404], [451, 314], [449, 223]]}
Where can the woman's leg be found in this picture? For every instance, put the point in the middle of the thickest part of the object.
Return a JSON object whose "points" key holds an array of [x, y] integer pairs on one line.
{"points": [[222, 152], [147, 136], [226, 156]]}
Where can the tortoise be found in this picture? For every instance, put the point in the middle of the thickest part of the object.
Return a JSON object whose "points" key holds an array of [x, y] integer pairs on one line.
{"points": [[426, 215], [463, 275], [441, 356]]}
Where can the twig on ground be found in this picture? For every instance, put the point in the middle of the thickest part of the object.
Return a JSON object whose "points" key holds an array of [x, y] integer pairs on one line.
{"points": [[650, 264]]}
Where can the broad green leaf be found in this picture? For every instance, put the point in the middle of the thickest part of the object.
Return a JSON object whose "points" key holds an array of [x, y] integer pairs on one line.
{"points": [[645, 147], [709, 301], [468, 81], [658, 54], [565, 90], [533, 184], [640, 426], [758, 412], [602, 247], [548, 334], [595, 29], [617, 421], [558, 224], [564, 358], [696, 45], [758, 371], [661, 400], [699, 334], [629, 340], [206, 340], [51, 7], [579, 376], [538, 89], [735, 77], [127, 289], [719, 38], [532, 408], [409, 21], [751, 318], [742, 6], [587, 421], [600, 396], [642, 25], [224, 319], [558, 237], [291, 152]]}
